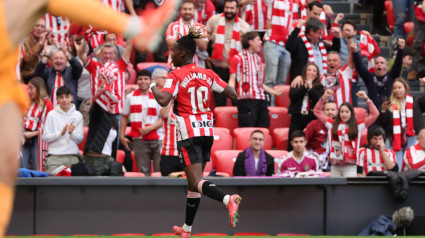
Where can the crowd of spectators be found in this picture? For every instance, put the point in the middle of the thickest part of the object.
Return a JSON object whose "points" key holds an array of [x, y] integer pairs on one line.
{"points": [[78, 76]]}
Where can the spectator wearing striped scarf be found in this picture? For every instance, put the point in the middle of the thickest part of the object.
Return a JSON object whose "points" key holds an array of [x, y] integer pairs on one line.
{"points": [[225, 31], [310, 47], [400, 117]]}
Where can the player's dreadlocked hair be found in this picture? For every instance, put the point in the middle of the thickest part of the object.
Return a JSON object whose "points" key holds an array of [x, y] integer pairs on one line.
{"points": [[187, 42]]}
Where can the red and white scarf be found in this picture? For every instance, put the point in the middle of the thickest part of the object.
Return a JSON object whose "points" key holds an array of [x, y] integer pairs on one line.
{"points": [[397, 122], [311, 55], [281, 19], [235, 44], [136, 117], [370, 49], [59, 82], [256, 15]]}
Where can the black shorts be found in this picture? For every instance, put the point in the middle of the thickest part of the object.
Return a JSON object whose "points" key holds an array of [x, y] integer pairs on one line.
{"points": [[195, 150], [253, 113]]}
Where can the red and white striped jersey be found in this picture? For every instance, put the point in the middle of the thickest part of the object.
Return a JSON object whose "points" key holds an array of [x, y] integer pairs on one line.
{"points": [[414, 158], [255, 15], [202, 15], [340, 83], [281, 17], [117, 5], [344, 150], [249, 75], [60, 28], [177, 30], [169, 145], [119, 85], [191, 86], [372, 160], [36, 115]]}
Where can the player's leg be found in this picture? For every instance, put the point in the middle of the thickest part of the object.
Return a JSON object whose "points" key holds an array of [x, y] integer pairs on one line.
{"points": [[10, 124], [145, 29]]}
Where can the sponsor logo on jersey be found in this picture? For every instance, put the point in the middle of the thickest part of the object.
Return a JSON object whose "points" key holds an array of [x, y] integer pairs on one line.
{"points": [[197, 124]]}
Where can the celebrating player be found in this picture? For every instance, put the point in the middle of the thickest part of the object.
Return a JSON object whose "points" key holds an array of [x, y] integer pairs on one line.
{"points": [[16, 19], [191, 86]]}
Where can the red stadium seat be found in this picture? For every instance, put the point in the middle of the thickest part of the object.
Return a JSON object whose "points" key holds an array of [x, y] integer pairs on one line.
{"points": [[282, 100], [363, 139], [281, 136], [361, 113], [390, 14], [134, 174], [120, 156], [83, 143], [226, 160], [226, 117], [408, 27], [223, 140], [129, 234], [210, 234], [145, 65], [279, 117], [277, 154], [133, 158], [251, 234], [243, 134]]}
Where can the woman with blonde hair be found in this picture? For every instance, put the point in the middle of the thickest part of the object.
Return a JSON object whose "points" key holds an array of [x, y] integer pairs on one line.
{"points": [[37, 109], [398, 120]]}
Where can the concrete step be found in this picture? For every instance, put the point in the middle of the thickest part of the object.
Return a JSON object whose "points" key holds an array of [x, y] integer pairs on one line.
{"points": [[339, 6]]}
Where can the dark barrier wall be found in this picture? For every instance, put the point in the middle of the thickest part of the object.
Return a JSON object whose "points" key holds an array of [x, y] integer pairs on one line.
{"points": [[107, 205]]}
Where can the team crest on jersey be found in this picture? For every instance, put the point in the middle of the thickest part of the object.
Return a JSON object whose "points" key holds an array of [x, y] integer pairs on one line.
{"points": [[306, 167], [197, 124]]}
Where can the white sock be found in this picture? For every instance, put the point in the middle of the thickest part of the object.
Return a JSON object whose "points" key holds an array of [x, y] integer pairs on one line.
{"points": [[187, 228], [226, 200]]}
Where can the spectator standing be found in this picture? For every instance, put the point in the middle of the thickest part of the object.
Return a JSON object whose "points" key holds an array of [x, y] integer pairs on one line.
{"points": [[225, 32], [310, 47], [34, 120], [145, 120], [103, 126], [63, 131], [254, 161], [419, 33], [246, 75], [317, 136], [304, 98], [180, 28], [379, 83], [345, 132], [401, 118], [33, 45], [375, 157], [277, 58], [204, 11], [59, 74]]}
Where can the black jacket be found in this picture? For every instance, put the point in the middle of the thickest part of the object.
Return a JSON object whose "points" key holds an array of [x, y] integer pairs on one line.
{"points": [[385, 120], [296, 96], [299, 54], [239, 167]]}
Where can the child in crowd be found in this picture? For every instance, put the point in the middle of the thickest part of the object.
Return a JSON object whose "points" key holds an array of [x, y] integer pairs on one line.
{"points": [[345, 132], [63, 132]]}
